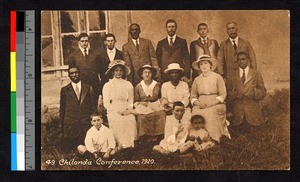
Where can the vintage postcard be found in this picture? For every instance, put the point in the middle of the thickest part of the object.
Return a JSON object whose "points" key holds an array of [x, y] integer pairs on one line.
{"points": [[165, 90]]}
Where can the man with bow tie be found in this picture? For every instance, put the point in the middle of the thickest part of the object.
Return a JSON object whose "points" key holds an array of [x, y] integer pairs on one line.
{"points": [[228, 51], [77, 104], [203, 46], [245, 89], [173, 49]]}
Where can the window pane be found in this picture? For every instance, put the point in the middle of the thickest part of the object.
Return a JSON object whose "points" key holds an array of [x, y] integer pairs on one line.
{"points": [[47, 52], [96, 20], [46, 23], [69, 21], [97, 40], [69, 44]]}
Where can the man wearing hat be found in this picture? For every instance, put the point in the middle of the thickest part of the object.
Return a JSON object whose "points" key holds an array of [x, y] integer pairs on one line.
{"points": [[87, 60], [137, 53], [245, 89], [203, 46], [173, 49], [228, 50]]}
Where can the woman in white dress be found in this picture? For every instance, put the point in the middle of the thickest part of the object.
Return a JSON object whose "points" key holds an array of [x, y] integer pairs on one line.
{"points": [[175, 90], [208, 94], [118, 101]]}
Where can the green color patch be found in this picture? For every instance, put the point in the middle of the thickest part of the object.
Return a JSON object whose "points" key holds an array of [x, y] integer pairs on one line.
{"points": [[13, 112]]}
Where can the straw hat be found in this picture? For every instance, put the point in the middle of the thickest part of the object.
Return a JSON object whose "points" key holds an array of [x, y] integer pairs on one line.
{"points": [[147, 66], [173, 66], [212, 61], [115, 63]]}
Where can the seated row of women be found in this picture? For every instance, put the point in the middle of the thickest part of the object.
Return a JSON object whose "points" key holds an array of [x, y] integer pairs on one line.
{"points": [[151, 102]]}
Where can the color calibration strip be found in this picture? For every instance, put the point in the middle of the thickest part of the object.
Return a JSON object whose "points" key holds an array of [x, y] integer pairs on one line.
{"points": [[19, 48]]}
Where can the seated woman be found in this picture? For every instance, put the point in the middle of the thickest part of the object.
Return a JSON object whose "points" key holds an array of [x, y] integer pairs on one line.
{"points": [[175, 90], [118, 101], [207, 97], [151, 117]]}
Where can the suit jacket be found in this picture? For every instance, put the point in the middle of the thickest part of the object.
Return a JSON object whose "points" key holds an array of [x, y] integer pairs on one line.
{"points": [[244, 98], [227, 56], [89, 67], [104, 63], [75, 113], [197, 48], [178, 53], [136, 59]]}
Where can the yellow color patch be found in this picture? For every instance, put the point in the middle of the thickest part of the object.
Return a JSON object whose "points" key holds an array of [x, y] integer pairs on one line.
{"points": [[13, 70]]}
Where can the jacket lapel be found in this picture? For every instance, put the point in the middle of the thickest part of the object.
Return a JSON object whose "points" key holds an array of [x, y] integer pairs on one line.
{"points": [[84, 90], [249, 76], [72, 91], [133, 47]]}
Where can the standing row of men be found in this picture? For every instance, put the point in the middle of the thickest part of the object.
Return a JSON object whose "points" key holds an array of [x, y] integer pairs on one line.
{"points": [[173, 49]]}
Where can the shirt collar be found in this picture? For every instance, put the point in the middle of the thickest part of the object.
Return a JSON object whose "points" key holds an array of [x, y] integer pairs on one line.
{"points": [[236, 40], [87, 49], [134, 41], [202, 39], [78, 84], [174, 37], [246, 71], [111, 51]]}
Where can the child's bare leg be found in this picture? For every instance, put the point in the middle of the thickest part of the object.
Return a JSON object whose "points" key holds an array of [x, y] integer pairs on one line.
{"points": [[159, 149], [186, 146]]}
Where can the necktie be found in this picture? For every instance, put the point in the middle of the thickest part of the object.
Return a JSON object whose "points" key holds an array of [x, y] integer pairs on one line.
{"points": [[243, 77], [234, 45], [137, 45], [205, 48], [204, 42], [171, 41], [85, 52], [77, 92]]}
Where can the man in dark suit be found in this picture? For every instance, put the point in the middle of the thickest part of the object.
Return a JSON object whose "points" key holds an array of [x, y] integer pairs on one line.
{"points": [[203, 45], [228, 50], [245, 89], [173, 49], [77, 104], [137, 53], [107, 55], [87, 60]]}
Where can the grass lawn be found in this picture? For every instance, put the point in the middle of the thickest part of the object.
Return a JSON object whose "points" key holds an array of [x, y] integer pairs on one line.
{"points": [[264, 148]]}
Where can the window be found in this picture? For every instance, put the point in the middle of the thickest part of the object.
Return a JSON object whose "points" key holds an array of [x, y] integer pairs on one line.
{"points": [[47, 40]]}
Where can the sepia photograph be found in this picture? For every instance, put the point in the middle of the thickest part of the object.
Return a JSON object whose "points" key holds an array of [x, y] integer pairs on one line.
{"points": [[165, 90]]}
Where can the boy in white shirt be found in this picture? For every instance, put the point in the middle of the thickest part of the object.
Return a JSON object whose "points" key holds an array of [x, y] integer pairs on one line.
{"points": [[99, 139]]}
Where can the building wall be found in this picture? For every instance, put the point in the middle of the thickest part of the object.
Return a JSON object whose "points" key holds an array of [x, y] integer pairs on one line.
{"points": [[267, 31]]}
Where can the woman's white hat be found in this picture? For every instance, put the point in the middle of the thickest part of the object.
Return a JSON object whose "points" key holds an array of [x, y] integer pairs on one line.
{"points": [[115, 63], [174, 66], [212, 61]]}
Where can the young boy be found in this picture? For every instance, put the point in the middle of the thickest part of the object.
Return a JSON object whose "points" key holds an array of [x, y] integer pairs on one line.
{"points": [[198, 137], [99, 139], [176, 130]]}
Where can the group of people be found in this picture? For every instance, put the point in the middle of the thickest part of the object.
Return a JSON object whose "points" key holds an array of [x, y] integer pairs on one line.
{"points": [[179, 98]]}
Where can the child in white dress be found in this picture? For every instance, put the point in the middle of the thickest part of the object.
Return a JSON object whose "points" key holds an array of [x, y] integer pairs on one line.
{"points": [[198, 137]]}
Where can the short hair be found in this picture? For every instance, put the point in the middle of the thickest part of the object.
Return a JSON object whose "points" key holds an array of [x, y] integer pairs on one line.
{"points": [[110, 35], [73, 66], [83, 34], [202, 24], [200, 117], [178, 103], [134, 24], [94, 115], [231, 23], [171, 21], [242, 53]]}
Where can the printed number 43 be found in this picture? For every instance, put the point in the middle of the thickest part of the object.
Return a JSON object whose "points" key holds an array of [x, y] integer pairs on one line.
{"points": [[50, 162]]}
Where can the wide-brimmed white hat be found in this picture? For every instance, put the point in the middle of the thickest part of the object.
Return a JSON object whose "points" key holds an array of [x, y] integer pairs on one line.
{"points": [[212, 61], [174, 66], [147, 66], [115, 63]]}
